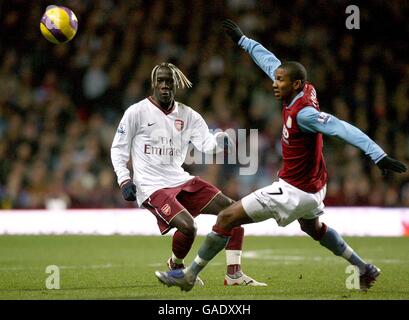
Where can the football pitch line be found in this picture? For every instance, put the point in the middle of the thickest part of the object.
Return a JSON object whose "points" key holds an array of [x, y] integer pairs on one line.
{"points": [[269, 255], [251, 255], [102, 266]]}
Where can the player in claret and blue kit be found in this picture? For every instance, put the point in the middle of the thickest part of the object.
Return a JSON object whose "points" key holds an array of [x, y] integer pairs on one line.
{"points": [[300, 190]]}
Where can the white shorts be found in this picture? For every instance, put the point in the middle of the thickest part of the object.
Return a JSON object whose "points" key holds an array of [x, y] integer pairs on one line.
{"points": [[283, 202]]}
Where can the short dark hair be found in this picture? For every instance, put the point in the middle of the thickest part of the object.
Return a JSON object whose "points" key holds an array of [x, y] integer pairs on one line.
{"points": [[296, 70]]}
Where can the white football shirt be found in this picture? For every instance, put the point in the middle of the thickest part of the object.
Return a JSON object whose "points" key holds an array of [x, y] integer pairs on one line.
{"points": [[158, 143]]}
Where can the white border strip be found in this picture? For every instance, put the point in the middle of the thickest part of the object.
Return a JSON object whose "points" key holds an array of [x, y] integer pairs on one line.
{"points": [[349, 221]]}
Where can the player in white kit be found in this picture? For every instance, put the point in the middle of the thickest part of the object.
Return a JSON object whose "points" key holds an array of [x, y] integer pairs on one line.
{"points": [[155, 134]]}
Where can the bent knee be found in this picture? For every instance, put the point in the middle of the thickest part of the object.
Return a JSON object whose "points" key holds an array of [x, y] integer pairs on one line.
{"points": [[312, 231], [226, 218], [189, 229]]}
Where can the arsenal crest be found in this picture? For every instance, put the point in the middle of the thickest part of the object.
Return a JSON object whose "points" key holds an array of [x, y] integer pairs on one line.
{"points": [[166, 209], [179, 124]]}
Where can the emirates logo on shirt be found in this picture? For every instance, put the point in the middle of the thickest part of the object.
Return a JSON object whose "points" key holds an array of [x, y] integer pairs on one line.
{"points": [[166, 209], [179, 124]]}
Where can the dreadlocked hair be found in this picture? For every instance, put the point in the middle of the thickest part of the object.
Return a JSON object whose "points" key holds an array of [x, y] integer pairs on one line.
{"points": [[178, 76]]}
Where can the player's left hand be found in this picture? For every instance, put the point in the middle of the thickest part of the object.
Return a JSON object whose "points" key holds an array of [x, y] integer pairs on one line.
{"points": [[388, 163], [232, 30], [220, 140], [128, 189]]}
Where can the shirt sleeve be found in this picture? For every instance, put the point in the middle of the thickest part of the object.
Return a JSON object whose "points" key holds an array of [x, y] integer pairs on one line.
{"points": [[121, 146], [200, 135], [310, 120], [266, 60]]}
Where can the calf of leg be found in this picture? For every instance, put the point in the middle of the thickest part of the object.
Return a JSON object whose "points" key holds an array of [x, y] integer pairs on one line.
{"points": [[184, 236]]}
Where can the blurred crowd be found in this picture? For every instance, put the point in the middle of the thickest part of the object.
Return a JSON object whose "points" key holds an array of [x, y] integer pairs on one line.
{"points": [[60, 104]]}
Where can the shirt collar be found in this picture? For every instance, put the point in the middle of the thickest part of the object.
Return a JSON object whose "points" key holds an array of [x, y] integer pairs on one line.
{"points": [[298, 96], [173, 109]]}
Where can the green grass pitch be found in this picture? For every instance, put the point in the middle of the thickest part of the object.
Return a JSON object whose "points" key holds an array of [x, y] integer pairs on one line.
{"points": [[122, 267]]}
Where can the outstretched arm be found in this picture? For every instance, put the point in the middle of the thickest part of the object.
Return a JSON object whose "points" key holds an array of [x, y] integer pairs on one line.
{"points": [[206, 142], [310, 120], [265, 59]]}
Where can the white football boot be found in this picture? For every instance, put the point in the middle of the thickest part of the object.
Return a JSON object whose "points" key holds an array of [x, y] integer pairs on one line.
{"points": [[241, 279]]}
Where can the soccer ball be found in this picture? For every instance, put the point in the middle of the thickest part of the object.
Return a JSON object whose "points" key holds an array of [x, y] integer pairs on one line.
{"points": [[58, 24]]}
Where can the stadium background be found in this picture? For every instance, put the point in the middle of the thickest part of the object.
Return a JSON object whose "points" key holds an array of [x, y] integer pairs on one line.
{"points": [[60, 105]]}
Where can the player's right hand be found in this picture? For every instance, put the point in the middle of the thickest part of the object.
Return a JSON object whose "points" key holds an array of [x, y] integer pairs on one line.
{"points": [[220, 140], [232, 30], [388, 163], [128, 190]]}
